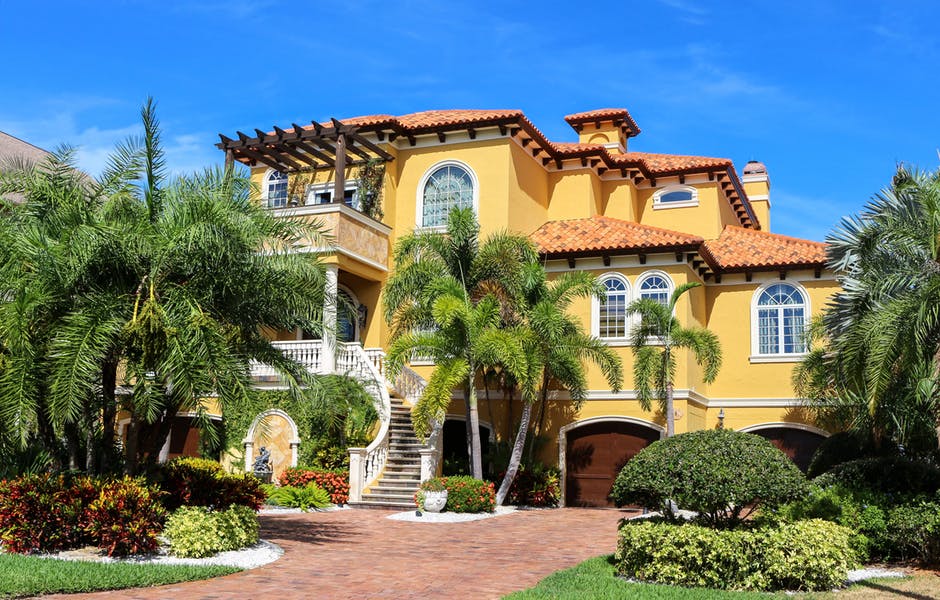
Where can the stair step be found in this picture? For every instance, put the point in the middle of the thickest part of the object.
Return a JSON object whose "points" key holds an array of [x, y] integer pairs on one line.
{"points": [[410, 482], [401, 498], [382, 489], [381, 505]]}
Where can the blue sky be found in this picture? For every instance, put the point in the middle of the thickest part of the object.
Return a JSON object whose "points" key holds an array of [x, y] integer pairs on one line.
{"points": [[830, 95]]}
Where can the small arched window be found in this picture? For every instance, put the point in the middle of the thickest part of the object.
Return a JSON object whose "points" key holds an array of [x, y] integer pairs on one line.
{"points": [[781, 320], [275, 188], [675, 196], [447, 187], [612, 313], [656, 286]]}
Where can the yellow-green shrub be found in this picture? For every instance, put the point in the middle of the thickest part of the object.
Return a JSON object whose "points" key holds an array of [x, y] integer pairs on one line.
{"points": [[808, 555], [197, 531], [302, 497]]}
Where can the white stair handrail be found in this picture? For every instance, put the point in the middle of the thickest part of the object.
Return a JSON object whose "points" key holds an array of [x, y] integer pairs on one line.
{"points": [[366, 464]]}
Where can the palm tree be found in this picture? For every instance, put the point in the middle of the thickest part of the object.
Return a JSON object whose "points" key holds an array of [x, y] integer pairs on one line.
{"points": [[172, 281], [655, 339], [466, 337], [494, 267], [881, 332], [556, 348]]}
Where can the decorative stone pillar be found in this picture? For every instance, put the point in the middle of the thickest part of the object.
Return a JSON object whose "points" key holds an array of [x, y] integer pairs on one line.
{"points": [[249, 453], [328, 358], [428, 463], [357, 465]]}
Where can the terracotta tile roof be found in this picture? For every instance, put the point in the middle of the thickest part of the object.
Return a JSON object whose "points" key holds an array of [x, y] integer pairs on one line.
{"points": [[739, 249], [443, 118], [658, 164], [599, 233], [604, 114]]}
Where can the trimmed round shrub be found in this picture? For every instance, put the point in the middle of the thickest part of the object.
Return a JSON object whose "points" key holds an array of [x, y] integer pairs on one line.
{"points": [[887, 475], [913, 531], [197, 531], [810, 555], [126, 517], [464, 494], [199, 482], [840, 448], [718, 473]]}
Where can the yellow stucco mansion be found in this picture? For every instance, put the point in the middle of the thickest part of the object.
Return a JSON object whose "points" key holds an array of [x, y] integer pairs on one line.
{"points": [[641, 223]]}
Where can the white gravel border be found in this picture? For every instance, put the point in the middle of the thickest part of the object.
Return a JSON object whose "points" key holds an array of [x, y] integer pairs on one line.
{"points": [[449, 517], [281, 510], [872, 573], [254, 556]]}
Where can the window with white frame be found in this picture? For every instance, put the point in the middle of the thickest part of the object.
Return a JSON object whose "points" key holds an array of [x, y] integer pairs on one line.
{"points": [[781, 311], [322, 193], [446, 187], [275, 188], [675, 196], [612, 312], [656, 286]]}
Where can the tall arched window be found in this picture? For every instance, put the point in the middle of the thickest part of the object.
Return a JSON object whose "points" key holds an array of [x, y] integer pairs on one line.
{"points": [[781, 314], [275, 188], [612, 314], [656, 286], [446, 187]]}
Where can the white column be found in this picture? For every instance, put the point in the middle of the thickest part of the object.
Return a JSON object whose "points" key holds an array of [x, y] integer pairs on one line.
{"points": [[328, 360], [249, 454], [357, 458], [428, 463]]}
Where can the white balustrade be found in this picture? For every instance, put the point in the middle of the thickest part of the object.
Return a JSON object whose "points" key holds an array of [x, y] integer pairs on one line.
{"points": [[308, 353]]}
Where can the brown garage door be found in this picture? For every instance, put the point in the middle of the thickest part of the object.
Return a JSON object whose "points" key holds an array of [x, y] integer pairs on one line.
{"points": [[798, 444], [595, 454]]}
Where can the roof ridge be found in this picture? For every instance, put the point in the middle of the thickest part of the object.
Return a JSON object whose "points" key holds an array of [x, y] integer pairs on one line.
{"points": [[778, 235]]}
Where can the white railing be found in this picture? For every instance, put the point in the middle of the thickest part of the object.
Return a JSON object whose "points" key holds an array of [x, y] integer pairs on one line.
{"points": [[309, 353], [366, 464], [409, 385], [377, 358]]}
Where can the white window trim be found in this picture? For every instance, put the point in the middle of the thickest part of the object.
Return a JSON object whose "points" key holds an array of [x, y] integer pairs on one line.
{"points": [[658, 204], [310, 194], [756, 356], [419, 200], [596, 311], [265, 192]]}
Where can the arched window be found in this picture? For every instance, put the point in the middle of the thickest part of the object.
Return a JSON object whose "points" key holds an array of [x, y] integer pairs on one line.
{"points": [[656, 286], [275, 187], [445, 187], [781, 314], [347, 317], [675, 196], [612, 313]]}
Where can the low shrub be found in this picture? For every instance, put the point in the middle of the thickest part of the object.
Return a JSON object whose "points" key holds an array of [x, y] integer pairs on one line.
{"points": [[894, 475], [46, 513], [913, 531], [535, 487], [302, 497], [200, 482], [198, 531], [468, 495], [126, 517], [810, 555], [335, 483], [839, 448], [719, 473]]}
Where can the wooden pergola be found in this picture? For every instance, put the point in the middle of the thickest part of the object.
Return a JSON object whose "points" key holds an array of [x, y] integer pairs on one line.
{"points": [[304, 149]]}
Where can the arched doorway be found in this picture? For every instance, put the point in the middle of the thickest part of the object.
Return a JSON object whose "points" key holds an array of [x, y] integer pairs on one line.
{"points": [[798, 441], [592, 452], [454, 458]]}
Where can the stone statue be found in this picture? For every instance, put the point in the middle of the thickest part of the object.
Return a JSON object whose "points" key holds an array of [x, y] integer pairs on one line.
{"points": [[263, 462]]}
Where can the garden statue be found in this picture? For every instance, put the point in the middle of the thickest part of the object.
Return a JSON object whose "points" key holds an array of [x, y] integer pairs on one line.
{"points": [[262, 465]]}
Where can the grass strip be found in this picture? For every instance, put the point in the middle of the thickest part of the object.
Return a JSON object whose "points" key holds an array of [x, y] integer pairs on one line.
{"points": [[31, 575]]}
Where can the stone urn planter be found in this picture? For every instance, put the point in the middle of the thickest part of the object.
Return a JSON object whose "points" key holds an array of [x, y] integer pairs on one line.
{"points": [[434, 502]]}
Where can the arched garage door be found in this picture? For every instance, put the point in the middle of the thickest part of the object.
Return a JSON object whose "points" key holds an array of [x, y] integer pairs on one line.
{"points": [[798, 444], [595, 453]]}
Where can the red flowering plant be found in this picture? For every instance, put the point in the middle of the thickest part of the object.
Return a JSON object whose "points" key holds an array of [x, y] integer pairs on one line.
{"points": [[335, 483]]}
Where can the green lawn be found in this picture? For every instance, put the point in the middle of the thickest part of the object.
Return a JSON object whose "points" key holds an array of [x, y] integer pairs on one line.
{"points": [[595, 579], [30, 575]]}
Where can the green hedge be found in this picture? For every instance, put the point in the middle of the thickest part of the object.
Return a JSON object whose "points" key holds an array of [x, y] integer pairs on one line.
{"points": [[719, 473], [808, 555], [197, 531], [889, 475], [464, 494]]}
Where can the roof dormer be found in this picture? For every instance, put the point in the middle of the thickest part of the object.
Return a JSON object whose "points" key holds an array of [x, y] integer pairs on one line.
{"points": [[610, 127]]}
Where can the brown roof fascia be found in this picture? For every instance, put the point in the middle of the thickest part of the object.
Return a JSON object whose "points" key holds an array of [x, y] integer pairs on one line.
{"points": [[620, 251]]}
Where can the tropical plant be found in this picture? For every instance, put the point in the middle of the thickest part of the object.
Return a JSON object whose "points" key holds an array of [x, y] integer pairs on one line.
{"points": [[656, 338], [876, 371], [450, 298], [556, 348], [172, 280]]}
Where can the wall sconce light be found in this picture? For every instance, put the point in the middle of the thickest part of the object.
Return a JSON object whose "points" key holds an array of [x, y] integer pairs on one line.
{"points": [[721, 418]]}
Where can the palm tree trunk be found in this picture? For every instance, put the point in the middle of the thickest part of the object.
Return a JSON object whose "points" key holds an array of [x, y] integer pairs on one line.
{"points": [[131, 445], [476, 458], [670, 411], [469, 430], [541, 422], [516, 457], [108, 415]]}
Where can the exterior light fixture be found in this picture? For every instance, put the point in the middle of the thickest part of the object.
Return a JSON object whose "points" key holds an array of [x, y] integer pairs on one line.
{"points": [[721, 419]]}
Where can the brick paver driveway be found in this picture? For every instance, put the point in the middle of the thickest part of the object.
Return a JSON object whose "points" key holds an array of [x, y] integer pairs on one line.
{"points": [[362, 554]]}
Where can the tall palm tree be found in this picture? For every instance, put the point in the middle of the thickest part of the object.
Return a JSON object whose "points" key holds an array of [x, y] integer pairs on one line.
{"points": [[170, 282], [655, 340], [556, 349], [494, 267], [881, 332], [466, 337]]}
